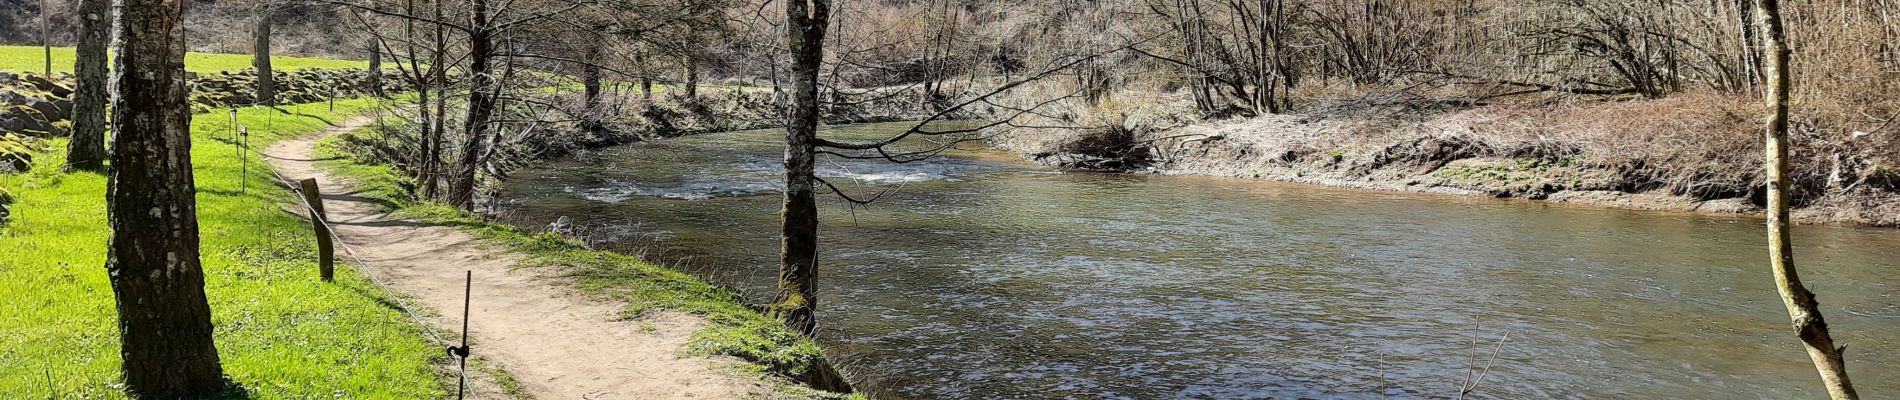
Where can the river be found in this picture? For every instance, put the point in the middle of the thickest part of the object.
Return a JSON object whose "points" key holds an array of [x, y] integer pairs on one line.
{"points": [[982, 277]]}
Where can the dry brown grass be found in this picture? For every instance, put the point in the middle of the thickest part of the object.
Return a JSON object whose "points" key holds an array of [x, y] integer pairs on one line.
{"points": [[1700, 145]]}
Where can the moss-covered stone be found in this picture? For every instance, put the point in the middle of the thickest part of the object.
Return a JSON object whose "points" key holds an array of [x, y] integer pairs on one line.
{"points": [[16, 154]]}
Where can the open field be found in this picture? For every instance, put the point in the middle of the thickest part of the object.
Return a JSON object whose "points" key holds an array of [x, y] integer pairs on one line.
{"points": [[33, 59]]}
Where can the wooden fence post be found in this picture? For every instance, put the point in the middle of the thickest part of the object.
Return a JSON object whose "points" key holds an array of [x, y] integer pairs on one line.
{"points": [[326, 251]]}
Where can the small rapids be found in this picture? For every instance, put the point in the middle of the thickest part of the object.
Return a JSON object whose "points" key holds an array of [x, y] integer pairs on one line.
{"points": [[981, 277]]}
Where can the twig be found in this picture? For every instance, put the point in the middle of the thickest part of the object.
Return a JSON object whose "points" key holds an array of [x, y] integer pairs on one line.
{"points": [[1465, 389]]}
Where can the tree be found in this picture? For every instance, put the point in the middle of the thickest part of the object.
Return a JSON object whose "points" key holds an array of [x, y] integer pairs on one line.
{"points": [[376, 68], [797, 299], [87, 150], [46, 36], [590, 84], [260, 57], [1802, 307], [481, 105], [157, 281]]}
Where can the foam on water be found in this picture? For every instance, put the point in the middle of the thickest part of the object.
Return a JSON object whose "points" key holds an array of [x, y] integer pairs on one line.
{"points": [[746, 176]]}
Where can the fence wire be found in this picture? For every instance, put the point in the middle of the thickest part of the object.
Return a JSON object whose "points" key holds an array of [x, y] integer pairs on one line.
{"points": [[350, 251]]}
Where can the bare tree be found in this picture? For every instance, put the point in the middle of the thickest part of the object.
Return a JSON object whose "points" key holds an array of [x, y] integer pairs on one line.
{"points": [[87, 150], [157, 281], [481, 105], [797, 301], [1802, 307]]}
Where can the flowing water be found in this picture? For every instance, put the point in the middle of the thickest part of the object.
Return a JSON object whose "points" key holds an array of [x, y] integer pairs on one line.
{"points": [[982, 277]]}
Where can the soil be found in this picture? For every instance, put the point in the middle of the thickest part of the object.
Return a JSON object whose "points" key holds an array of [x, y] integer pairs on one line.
{"points": [[555, 342]]}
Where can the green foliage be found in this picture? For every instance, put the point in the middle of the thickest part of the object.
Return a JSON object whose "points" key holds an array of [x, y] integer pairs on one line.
{"points": [[734, 329], [280, 332], [33, 59]]}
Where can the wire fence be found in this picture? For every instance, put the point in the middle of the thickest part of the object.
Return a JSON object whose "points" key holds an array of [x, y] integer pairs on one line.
{"points": [[461, 351]]}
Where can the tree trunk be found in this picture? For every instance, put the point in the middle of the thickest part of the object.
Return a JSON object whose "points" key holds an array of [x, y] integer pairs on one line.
{"points": [[590, 82], [260, 57], [692, 77], [437, 124], [152, 260], [87, 150], [481, 106], [797, 301], [376, 68], [46, 37], [1802, 307]]}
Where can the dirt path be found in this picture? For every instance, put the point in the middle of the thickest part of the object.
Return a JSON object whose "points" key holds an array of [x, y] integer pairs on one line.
{"points": [[557, 344]]}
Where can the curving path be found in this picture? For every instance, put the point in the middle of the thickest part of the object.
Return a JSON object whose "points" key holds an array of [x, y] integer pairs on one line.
{"points": [[555, 342]]}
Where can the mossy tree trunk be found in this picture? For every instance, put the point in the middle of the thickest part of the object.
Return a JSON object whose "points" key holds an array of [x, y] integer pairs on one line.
{"points": [[87, 150], [797, 300], [1802, 307], [260, 57], [152, 259]]}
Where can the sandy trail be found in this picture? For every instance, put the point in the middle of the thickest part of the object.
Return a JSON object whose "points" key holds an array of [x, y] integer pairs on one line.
{"points": [[557, 344]]}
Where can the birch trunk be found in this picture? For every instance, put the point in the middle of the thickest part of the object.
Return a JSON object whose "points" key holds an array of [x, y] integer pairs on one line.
{"points": [[152, 259], [797, 301]]}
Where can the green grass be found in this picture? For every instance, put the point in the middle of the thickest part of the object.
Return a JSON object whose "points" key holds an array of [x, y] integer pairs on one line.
{"points": [[282, 334], [776, 353], [33, 59]]}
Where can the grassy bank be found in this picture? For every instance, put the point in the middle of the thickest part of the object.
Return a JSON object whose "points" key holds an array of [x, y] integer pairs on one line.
{"points": [[280, 332], [33, 59], [733, 329]]}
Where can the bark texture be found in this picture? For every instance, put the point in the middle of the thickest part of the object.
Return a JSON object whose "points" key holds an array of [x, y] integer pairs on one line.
{"points": [[797, 301], [1802, 307], [87, 150], [157, 281], [481, 107], [376, 68], [260, 57]]}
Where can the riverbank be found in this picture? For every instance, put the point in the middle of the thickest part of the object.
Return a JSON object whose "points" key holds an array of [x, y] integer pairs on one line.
{"points": [[684, 337], [723, 109], [1697, 153], [279, 330]]}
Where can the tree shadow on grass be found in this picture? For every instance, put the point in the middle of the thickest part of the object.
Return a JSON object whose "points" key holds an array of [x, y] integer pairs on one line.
{"points": [[375, 293], [232, 391], [254, 191], [384, 204], [298, 114]]}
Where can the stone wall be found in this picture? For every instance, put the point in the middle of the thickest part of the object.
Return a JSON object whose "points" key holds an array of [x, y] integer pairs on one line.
{"points": [[35, 107]]}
